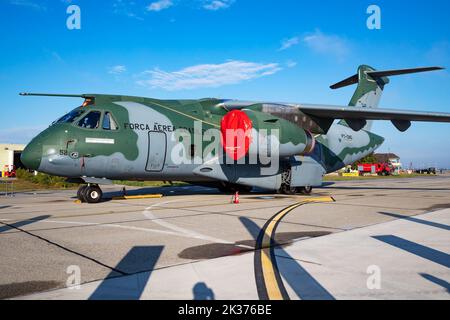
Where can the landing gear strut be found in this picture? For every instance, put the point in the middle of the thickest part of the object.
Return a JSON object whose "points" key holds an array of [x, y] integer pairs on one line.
{"points": [[90, 193]]}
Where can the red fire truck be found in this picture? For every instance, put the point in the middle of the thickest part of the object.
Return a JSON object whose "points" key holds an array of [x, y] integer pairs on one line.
{"points": [[382, 169], [9, 171]]}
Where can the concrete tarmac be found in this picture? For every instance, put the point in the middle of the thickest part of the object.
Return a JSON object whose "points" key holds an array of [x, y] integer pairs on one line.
{"points": [[194, 243]]}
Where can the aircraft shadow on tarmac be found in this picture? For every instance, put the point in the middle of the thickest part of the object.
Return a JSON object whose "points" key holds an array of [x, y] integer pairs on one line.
{"points": [[201, 190], [440, 282], [137, 265], [422, 251], [430, 254], [303, 283], [136, 268], [416, 220], [178, 191]]}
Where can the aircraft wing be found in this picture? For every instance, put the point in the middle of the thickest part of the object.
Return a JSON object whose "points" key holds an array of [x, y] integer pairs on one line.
{"points": [[324, 115], [341, 112], [356, 117]]}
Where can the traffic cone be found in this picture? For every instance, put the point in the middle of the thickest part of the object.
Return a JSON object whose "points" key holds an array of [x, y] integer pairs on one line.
{"points": [[236, 197]]}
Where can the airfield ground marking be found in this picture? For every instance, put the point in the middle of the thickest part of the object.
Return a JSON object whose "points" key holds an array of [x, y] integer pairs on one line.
{"points": [[191, 233], [268, 279], [108, 225]]}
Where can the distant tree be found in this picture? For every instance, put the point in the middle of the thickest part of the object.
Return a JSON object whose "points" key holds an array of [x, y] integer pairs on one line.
{"points": [[367, 159]]}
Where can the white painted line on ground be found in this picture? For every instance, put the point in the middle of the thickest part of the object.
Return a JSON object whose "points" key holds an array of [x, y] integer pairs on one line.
{"points": [[187, 232], [108, 225]]}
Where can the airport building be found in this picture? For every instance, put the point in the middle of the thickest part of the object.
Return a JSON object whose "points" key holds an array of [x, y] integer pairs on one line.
{"points": [[390, 158], [10, 156]]}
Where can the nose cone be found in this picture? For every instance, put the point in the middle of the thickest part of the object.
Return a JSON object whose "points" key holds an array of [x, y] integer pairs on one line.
{"points": [[32, 155]]}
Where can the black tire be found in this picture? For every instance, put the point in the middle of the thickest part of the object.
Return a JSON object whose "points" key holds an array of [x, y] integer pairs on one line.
{"points": [[288, 189], [306, 190], [92, 194], [80, 193]]}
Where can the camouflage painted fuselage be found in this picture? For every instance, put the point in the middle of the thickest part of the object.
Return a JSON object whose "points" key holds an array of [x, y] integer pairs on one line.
{"points": [[142, 146], [288, 146]]}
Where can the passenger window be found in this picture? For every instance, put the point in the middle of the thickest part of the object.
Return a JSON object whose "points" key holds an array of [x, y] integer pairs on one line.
{"points": [[90, 121], [108, 122]]}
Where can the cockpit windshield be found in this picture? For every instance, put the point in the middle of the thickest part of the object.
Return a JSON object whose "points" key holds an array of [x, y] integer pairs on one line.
{"points": [[71, 116]]}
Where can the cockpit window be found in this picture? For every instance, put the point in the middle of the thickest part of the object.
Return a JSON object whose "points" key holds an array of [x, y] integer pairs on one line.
{"points": [[108, 122], [71, 116], [90, 121]]}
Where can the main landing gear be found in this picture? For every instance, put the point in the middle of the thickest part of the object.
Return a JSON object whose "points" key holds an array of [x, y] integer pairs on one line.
{"points": [[286, 189], [90, 193]]}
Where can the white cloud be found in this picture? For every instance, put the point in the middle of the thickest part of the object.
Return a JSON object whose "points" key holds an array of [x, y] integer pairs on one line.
{"points": [[207, 75], [217, 4], [327, 44], [125, 8], [287, 43], [29, 4], [291, 63], [117, 69], [159, 5]]}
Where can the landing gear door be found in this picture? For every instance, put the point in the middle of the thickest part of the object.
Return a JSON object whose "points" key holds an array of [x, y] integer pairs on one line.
{"points": [[72, 152], [306, 172], [157, 145]]}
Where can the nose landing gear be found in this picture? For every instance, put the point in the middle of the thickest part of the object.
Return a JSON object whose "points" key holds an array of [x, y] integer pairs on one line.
{"points": [[90, 193]]}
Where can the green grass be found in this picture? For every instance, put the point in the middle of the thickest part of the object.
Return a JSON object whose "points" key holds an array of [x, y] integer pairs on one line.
{"points": [[21, 185], [27, 181]]}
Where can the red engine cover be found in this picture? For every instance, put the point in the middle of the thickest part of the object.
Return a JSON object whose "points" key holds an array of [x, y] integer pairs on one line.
{"points": [[236, 129]]}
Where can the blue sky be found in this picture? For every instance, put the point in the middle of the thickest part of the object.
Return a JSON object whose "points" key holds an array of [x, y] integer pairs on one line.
{"points": [[244, 49]]}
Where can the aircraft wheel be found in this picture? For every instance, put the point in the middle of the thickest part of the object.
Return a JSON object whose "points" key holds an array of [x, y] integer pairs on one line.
{"points": [[288, 189], [92, 194], [80, 192], [306, 190]]}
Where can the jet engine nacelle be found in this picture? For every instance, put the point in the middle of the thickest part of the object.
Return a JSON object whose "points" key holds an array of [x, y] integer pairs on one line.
{"points": [[260, 134]]}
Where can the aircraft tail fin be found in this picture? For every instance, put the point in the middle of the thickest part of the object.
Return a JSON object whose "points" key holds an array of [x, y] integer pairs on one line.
{"points": [[370, 87]]}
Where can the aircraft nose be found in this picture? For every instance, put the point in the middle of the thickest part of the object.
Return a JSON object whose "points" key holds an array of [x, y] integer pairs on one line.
{"points": [[31, 156]]}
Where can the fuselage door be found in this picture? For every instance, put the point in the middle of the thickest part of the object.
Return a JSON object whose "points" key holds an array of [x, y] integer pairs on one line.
{"points": [[157, 144]]}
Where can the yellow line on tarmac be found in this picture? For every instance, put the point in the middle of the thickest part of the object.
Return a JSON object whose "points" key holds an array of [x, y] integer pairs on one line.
{"points": [[269, 270]]}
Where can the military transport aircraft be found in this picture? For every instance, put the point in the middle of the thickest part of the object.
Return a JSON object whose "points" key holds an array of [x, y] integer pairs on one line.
{"points": [[285, 147]]}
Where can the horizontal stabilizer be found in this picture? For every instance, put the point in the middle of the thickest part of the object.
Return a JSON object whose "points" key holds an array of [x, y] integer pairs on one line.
{"points": [[380, 74], [347, 82]]}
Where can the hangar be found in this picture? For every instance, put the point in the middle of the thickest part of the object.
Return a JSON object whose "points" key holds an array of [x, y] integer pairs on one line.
{"points": [[10, 156]]}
